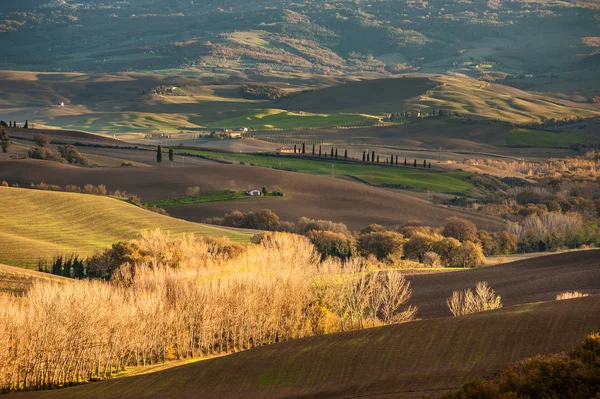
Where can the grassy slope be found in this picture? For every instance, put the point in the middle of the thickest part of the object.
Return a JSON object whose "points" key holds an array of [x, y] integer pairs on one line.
{"points": [[281, 119], [482, 100], [444, 182], [17, 280], [43, 224], [406, 360], [522, 137]]}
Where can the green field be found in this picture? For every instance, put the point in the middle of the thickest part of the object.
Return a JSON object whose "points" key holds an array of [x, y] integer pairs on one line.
{"points": [[418, 178], [42, 224], [125, 122], [522, 137], [201, 199], [281, 119]]}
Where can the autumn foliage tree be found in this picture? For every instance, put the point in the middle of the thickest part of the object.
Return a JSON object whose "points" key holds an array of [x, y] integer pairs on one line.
{"points": [[461, 229]]}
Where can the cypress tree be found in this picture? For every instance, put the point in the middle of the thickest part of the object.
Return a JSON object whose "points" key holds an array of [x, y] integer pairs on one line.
{"points": [[303, 149], [429, 165], [171, 155], [159, 154], [78, 269], [313, 152], [373, 156], [331, 152], [57, 266], [336, 153], [396, 160], [319, 150], [368, 159], [364, 156], [415, 165], [405, 162], [424, 163], [295, 148], [4, 140], [26, 125], [377, 158], [345, 154]]}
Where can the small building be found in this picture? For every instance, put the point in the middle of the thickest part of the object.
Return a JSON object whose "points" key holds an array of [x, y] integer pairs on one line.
{"points": [[254, 193], [285, 150]]}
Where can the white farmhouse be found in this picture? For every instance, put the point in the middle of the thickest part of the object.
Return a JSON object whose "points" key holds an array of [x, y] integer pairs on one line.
{"points": [[254, 193]]}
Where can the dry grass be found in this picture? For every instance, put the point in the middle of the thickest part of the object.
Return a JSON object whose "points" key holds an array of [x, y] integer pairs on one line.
{"points": [[433, 355], [570, 295], [180, 299]]}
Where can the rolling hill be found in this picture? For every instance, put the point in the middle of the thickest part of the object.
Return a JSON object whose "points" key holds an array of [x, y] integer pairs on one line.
{"points": [[525, 281], [397, 361], [370, 95], [319, 197], [42, 224]]}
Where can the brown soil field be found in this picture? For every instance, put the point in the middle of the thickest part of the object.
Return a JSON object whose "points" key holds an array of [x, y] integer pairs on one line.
{"points": [[65, 136], [524, 281], [397, 361], [115, 156], [318, 197], [378, 95], [235, 145], [457, 139]]}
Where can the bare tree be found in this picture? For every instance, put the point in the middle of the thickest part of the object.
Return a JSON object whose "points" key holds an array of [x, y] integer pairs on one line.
{"points": [[467, 301]]}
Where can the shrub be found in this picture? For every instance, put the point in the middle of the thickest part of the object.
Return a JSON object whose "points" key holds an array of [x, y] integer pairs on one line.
{"points": [[431, 259], [95, 190], [42, 140], [448, 249], [45, 154], [573, 375], [305, 225], [329, 243], [570, 295], [71, 188], [468, 301], [265, 220], [45, 187], [418, 245], [192, 191], [72, 155], [469, 255], [372, 228], [384, 245]]}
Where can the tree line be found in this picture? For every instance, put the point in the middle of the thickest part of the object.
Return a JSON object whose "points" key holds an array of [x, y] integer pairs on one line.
{"points": [[178, 298]]}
